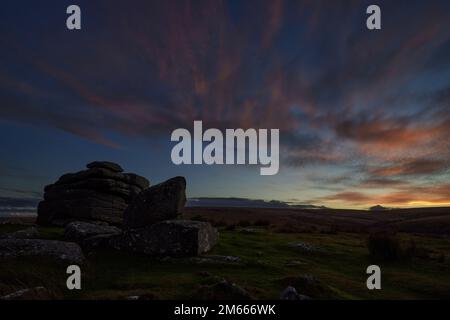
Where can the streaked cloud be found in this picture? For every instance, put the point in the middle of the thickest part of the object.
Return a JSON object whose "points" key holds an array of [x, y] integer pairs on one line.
{"points": [[370, 109]]}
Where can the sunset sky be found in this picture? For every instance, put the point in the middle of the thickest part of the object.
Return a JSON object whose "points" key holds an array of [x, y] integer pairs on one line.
{"points": [[364, 116]]}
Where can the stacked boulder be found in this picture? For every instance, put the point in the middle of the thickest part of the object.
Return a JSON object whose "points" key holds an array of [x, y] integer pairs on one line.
{"points": [[151, 227], [89, 201], [101, 193]]}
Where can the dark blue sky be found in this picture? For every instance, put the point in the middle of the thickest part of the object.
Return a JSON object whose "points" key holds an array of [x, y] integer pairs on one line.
{"points": [[363, 115]]}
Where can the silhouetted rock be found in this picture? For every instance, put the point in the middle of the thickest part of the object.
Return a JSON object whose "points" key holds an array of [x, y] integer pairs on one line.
{"points": [[158, 203], [105, 164], [78, 231], [68, 252], [28, 233], [176, 238], [100, 193]]}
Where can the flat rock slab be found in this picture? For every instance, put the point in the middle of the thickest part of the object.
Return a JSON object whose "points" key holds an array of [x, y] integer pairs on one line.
{"points": [[78, 231], [63, 251], [175, 238]]}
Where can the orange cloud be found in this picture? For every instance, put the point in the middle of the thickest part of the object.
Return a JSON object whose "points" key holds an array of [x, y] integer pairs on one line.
{"points": [[411, 167], [392, 139], [408, 196]]}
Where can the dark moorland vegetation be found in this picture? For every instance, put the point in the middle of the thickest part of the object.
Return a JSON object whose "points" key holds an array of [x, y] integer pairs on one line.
{"points": [[323, 260]]}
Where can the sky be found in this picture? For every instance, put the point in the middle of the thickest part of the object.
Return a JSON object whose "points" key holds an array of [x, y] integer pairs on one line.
{"points": [[364, 116]]}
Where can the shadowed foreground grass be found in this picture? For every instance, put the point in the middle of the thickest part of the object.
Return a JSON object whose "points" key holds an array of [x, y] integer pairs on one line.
{"points": [[267, 265]]}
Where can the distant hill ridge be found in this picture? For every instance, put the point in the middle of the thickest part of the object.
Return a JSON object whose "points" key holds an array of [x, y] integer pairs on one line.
{"points": [[378, 208]]}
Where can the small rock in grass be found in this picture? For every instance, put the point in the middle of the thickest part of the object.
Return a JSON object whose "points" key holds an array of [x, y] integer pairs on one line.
{"points": [[294, 263], [290, 293], [303, 246]]}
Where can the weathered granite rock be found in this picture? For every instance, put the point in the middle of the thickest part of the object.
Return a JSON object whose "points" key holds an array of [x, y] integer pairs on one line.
{"points": [[63, 251], [105, 164], [98, 241], [28, 233], [100, 193], [136, 180], [78, 231], [161, 202], [102, 173], [175, 238], [101, 207], [92, 187]]}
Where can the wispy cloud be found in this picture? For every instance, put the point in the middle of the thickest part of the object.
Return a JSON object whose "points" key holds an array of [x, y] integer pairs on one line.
{"points": [[342, 97]]}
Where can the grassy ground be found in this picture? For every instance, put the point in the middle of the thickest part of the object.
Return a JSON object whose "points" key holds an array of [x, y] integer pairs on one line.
{"points": [[338, 263]]}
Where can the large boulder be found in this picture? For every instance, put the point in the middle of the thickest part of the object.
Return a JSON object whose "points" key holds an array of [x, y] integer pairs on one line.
{"points": [[78, 231], [161, 202], [67, 252], [175, 238], [100, 193]]}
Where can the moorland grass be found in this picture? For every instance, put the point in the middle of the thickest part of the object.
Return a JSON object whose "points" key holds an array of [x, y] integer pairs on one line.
{"points": [[338, 262]]}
